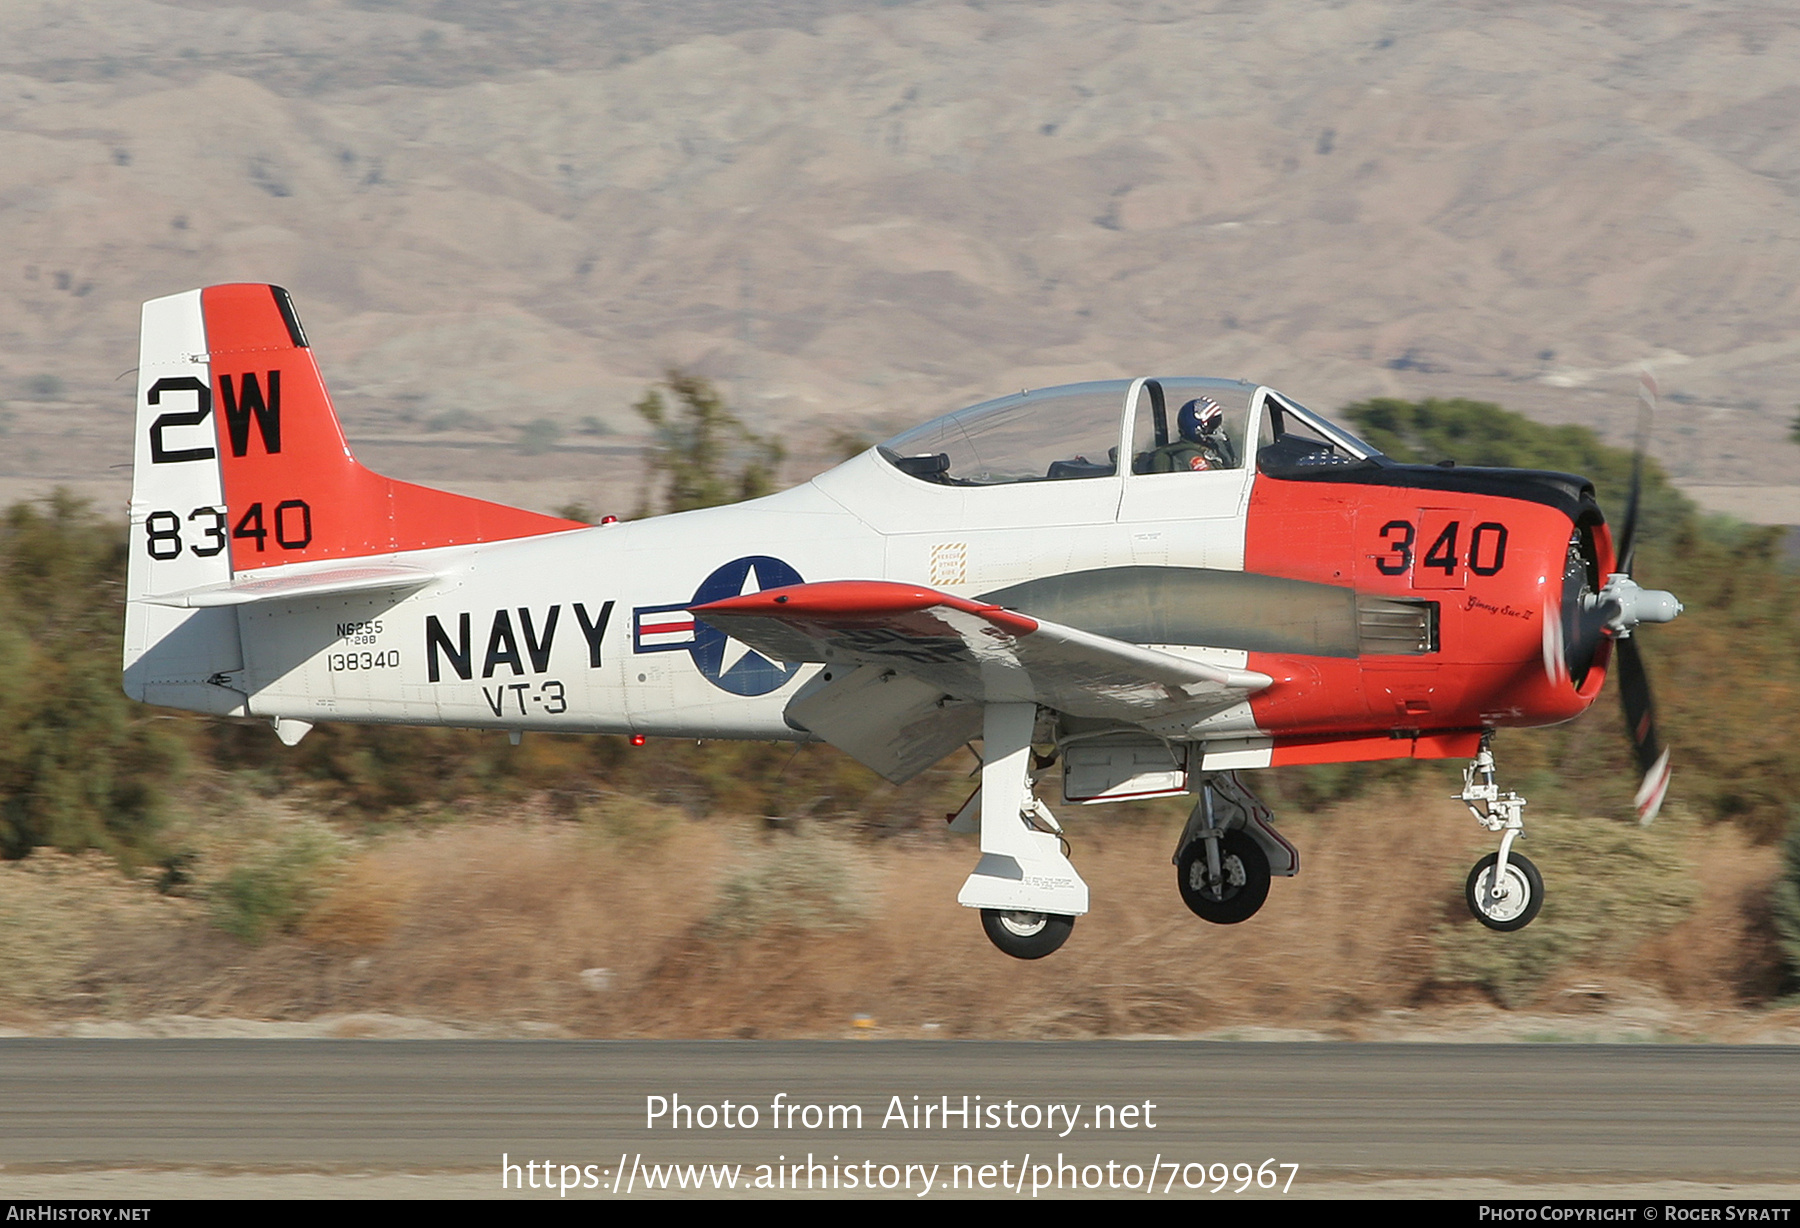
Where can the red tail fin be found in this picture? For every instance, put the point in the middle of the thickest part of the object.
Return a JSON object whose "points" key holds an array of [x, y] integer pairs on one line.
{"points": [[293, 491]]}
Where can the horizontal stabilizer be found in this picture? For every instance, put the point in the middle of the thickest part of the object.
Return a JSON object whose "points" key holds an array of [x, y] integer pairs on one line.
{"points": [[254, 587]]}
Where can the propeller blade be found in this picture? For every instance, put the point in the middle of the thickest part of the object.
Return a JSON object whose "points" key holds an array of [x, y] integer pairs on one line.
{"points": [[1627, 539], [1640, 723]]}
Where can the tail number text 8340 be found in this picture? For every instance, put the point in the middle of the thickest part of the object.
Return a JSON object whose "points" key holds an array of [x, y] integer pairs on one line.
{"points": [[292, 530]]}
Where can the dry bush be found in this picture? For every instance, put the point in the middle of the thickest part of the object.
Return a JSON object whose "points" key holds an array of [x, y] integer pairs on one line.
{"points": [[56, 912], [805, 883], [46, 937], [1724, 953], [1343, 938], [1375, 921], [732, 927], [363, 910], [499, 921]]}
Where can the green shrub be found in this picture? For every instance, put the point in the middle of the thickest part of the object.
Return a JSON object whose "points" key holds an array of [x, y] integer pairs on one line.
{"points": [[1786, 907], [1613, 886], [704, 455], [81, 766], [803, 881], [276, 882]]}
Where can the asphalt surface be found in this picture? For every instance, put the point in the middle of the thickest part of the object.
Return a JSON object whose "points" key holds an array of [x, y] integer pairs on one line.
{"points": [[1710, 1114]]}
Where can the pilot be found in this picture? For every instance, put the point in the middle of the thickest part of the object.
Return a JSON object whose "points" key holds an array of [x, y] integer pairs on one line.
{"points": [[1203, 443]]}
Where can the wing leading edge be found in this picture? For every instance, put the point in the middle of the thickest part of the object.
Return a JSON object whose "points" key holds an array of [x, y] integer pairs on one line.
{"points": [[969, 653]]}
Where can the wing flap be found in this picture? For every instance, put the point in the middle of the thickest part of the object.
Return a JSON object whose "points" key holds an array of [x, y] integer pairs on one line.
{"points": [[976, 652], [891, 723]]}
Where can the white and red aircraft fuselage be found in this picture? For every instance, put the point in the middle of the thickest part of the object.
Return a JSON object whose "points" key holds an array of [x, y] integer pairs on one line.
{"points": [[996, 574]]}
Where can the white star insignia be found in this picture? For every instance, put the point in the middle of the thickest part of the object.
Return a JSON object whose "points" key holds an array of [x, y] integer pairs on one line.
{"points": [[735, 651]]}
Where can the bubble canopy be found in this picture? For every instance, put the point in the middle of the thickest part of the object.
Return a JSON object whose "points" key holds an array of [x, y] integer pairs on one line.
{"points": [[1076, 431]]}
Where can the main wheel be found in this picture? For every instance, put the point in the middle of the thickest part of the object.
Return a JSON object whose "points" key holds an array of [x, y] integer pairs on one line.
{"points": [[1026, 935], [1245, 871], [1520, 896]]}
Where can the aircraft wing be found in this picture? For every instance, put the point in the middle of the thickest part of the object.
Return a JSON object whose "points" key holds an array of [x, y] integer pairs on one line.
{"points": [[977, 653]]}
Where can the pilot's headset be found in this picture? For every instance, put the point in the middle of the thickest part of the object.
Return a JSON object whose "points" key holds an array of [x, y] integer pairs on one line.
{"points": [[1201, 420]]}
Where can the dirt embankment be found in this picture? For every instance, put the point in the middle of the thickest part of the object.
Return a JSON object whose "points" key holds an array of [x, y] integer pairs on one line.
{"points": [[640, 921]]}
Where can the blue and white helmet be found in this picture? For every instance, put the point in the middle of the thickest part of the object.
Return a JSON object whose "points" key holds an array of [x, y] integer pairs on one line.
{"points": [[1200, 419]]}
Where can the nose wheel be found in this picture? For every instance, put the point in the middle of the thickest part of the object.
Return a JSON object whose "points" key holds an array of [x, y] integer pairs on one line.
{"points": [[1507, 902]]}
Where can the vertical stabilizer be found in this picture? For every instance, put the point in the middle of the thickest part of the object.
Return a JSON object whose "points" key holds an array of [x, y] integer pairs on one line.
{"points": [[293, 490], [240, 465]]}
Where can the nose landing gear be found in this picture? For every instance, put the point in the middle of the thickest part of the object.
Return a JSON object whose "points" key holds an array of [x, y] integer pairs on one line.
{"points": [[1504, 890]]}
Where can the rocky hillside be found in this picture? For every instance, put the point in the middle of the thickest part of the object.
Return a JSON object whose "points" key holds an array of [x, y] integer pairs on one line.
{"points": [[498, 213]]}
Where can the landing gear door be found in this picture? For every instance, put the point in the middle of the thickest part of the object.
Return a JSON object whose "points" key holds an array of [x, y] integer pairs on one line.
{"points": [[1123, 766]]}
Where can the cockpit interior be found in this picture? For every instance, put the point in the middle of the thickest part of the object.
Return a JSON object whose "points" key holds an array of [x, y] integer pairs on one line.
{"points": [[1077, 431]]}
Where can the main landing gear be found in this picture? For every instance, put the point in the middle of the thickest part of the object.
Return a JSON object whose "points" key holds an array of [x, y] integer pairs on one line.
{"points": [[1223, 877], [1228, 852], [1028, 893], [1504, 890]]}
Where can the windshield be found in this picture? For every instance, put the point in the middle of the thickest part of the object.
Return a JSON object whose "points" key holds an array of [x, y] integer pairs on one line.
{"points": [[1293, 440], [1053, 434]]}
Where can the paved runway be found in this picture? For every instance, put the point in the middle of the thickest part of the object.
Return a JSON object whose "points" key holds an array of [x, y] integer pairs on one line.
{"points": [[1715, 1115]]}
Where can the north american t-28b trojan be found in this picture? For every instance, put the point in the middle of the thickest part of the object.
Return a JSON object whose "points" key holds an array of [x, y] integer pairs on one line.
{"points": [[1162, 582]]}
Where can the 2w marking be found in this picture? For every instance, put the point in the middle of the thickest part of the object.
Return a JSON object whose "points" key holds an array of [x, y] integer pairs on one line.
{"points": [[247, 400]]}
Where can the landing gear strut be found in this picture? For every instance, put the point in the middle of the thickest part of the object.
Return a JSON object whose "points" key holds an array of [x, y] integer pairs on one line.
{"points": [[1504, 890], [1028, 893]]}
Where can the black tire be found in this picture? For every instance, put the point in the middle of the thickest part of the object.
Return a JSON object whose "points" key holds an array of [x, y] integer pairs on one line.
{"points": [[1026, 935], [1246, 883], [1511, 912]]}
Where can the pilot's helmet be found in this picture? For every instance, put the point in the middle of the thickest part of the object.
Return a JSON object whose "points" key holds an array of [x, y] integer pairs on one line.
{"points": [[1201, 418]]}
